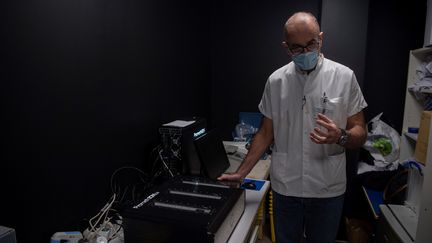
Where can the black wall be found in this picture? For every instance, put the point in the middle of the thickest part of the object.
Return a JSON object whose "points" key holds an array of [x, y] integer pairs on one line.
{"points": [[86, 84], [84, 87], [393, 30], [344, 24]]}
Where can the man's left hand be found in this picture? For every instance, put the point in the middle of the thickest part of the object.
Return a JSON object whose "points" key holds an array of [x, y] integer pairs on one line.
{"points": [[320, 136]]}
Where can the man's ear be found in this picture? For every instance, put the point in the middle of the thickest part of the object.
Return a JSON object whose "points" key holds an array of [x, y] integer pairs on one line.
{"points": [[284, 44]]}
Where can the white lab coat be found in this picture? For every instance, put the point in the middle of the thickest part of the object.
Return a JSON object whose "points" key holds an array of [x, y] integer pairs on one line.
{"points": [[292, 99]]}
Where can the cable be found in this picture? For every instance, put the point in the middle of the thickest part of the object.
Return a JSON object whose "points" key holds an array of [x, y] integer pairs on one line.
{"points": [[124, 168], [107, 222], [163, 162], [96, 227], [157, 148]]}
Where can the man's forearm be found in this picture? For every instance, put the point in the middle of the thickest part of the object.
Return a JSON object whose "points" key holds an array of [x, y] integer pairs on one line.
{"points": [[356, 137], [262, 139], [259, 145]]}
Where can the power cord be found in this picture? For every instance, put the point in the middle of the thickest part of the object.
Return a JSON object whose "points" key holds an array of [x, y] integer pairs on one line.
{"points": [[143, 178], [165, 164], [102, 228], [106, 225], [160, 164]]}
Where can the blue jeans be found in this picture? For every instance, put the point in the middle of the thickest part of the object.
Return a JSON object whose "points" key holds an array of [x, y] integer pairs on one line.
{"points": [[316, 218]]}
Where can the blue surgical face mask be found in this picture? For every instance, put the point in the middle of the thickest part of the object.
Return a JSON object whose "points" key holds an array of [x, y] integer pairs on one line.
{"points": [[307, 60]]}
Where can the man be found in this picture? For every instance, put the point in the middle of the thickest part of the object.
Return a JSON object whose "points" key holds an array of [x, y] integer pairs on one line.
{"points": [[312, 111]]}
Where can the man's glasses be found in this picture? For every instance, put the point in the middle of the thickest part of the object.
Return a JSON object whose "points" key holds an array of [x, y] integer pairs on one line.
{"points": [[298, 49]]}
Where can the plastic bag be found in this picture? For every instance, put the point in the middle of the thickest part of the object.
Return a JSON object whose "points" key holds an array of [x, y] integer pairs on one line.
{"points": [[382, 141], [244, 132]]}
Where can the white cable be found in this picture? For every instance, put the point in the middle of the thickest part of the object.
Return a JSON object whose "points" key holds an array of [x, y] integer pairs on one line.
{"points": [[100, 224], [103, 213], [117, 224], [163, 162]]}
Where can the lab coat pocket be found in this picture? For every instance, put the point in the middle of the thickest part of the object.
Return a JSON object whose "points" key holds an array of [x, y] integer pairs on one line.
{"points": [[330, 107], [335, 171], [333, 149]]}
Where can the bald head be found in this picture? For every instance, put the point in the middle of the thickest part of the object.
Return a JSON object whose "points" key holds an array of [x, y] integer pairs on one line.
{"points": [[301, 25]]}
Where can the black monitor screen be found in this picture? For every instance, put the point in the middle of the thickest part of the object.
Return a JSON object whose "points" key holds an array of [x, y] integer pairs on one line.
{"points": [[211, 152]]}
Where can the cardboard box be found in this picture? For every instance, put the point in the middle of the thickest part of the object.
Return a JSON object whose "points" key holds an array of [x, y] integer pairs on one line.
{"points": [[421, 147]]}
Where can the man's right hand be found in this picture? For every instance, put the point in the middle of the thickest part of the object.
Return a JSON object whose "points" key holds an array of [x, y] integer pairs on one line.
{"points": [[231, 177]]}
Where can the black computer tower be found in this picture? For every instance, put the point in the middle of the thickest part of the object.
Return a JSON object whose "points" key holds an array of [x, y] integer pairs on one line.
{"points": [[178, 149]]}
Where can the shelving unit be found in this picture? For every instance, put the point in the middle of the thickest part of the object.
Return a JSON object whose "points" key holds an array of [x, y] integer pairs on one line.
{"points": [[418, 205], [413, 108]]}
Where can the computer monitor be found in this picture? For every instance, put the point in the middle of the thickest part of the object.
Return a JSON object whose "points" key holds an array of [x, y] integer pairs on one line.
{"points": [[212, 154]]}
